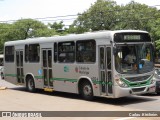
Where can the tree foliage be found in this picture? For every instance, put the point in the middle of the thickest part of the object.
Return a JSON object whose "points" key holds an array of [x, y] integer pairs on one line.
{"points": [[59, 28], [99, 16], [29, 28], [22, 29]]}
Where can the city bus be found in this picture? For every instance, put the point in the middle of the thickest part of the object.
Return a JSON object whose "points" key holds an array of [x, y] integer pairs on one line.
{"points": [[90, 64]]}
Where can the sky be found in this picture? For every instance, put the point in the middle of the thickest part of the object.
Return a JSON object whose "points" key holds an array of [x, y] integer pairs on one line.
{"points": [[20, 9]]}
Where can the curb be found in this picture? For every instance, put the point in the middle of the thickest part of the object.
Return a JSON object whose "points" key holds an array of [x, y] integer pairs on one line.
{"points": [[3, 88]]}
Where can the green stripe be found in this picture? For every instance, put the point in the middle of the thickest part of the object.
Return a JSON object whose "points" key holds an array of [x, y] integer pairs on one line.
{"points": [[58, 79], [11, 75], [38, 77], [137, 84], [64, 79]]}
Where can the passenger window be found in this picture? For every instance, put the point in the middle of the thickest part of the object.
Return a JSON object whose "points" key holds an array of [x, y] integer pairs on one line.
{"points": [[66, 52], [86, 51], [34, 53], [9, 53]]}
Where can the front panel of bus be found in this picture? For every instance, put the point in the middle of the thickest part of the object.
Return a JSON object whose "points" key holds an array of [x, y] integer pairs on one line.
{"points": [[134, 63]]}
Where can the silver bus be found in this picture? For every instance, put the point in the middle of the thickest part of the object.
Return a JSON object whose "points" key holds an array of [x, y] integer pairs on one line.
{"points": [[89, 64]]}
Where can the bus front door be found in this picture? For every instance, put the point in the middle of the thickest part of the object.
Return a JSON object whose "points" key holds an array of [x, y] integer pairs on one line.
{"points": [[105, 70], [19, 66], [47, 67]]}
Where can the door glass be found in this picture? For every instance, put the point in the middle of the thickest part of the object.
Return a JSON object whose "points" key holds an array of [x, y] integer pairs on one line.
{"points": [[45, 76], [17, 58], [44, 59], [108, 57], [50, 77], [21, 58], [109, 77], [102, 61], [49, 58], [18, 75]]}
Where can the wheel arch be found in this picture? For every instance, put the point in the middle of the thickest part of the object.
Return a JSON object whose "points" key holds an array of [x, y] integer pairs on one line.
{"points": [[29, 75], [82, 80]]}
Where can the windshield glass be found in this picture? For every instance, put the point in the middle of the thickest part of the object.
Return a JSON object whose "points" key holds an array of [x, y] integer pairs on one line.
{"points": [[133, 59]]}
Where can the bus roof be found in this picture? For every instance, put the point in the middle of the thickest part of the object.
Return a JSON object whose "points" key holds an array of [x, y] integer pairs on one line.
{"points": [[71, 37]]}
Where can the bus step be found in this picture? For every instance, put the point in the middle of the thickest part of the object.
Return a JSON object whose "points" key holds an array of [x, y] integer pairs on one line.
{"points": [[48, 89]]}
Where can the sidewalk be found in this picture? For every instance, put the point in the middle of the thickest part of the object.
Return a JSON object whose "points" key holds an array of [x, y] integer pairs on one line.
{"points": [[4, 84]]}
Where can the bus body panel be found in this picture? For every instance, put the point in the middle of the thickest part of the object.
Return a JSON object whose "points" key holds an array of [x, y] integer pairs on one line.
{"points": [[66, 76], [32, 69], [10, 73]]}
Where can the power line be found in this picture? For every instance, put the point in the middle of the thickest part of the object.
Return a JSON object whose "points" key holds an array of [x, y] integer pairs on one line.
{"points": [[41, 19], [56, 17]]}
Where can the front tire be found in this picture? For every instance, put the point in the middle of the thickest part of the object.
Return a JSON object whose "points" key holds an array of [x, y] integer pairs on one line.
{"points": [[86, 90], [30, 84]]}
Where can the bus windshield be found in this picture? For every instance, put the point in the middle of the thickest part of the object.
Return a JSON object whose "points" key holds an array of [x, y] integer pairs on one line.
{"points": [[134, 59]]}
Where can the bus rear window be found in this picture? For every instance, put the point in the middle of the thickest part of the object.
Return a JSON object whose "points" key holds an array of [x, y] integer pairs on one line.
{"points": [[9, 53]]}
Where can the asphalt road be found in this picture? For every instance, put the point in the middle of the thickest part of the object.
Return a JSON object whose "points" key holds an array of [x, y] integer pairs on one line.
{"points": [[16, 98]]}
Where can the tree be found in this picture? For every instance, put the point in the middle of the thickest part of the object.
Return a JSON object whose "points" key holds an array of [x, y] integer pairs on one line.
{"points": [[22, 29], [136, 16], [99, 16], [59, 28], [5, 34], [29, 28]]}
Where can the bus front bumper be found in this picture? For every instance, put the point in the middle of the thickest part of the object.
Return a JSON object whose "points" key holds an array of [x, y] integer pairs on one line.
{"points": [[122, 92]]}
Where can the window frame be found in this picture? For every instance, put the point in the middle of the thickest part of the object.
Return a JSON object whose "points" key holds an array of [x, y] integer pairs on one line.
{"points": [[30, 53], [65, 52], [12, 50], [91, 51]]}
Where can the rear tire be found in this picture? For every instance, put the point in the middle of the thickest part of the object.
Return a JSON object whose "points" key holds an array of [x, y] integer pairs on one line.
{"points": [[86, 90], [30, 84]]}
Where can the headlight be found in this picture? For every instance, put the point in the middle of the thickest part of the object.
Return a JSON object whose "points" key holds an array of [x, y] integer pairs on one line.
{"points": [[153, 80], [156, 75], [121, 83]]}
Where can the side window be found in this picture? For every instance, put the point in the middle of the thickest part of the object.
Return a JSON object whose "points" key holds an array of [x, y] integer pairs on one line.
{"points": [[66, 52], [26, 53], [55, 52], [86, 51], [34, 53], [9, 53]]}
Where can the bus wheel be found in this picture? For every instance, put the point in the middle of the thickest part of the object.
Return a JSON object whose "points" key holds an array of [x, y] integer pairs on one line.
{"points": [[30, 84], [87, 91]]}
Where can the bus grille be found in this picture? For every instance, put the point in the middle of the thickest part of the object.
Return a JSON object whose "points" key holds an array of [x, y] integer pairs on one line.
{"points": [[138, 89], [141, 78]]}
